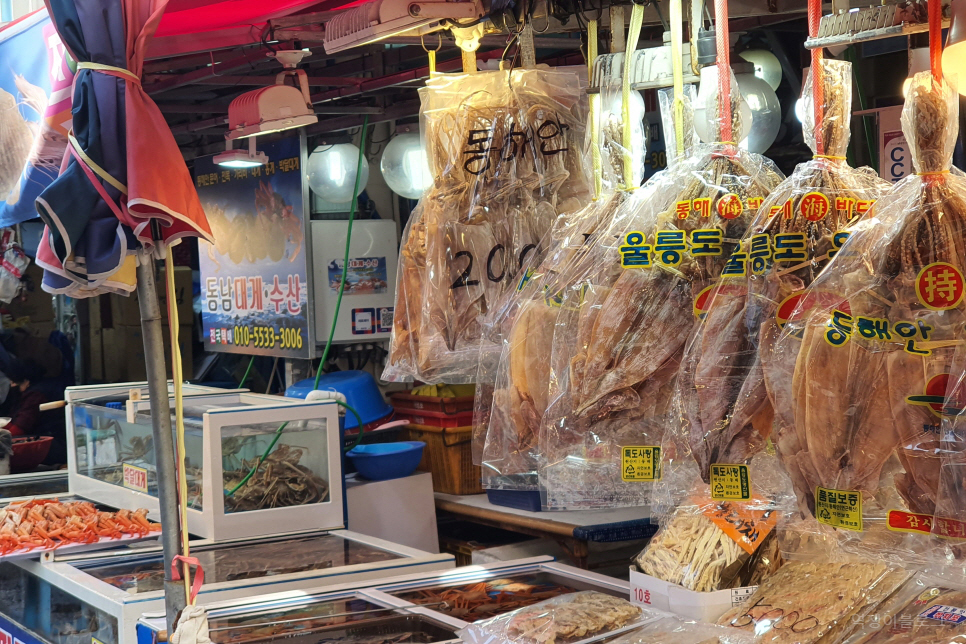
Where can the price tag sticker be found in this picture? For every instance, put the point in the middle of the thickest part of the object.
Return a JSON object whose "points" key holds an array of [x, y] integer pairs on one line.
{"points": [[948, 614], [730, 482], [135, 478], [739, 595], [640, 463], [839, 508]]}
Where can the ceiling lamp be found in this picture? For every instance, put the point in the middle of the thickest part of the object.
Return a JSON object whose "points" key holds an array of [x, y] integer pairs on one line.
{"points": [[954, 56], [276, 107], [232, 158], [767, 67], [374, 21], [331, 172], [405, 167]]}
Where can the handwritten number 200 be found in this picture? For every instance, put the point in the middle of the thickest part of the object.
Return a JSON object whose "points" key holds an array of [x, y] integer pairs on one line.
{"points": [[464, 278]]}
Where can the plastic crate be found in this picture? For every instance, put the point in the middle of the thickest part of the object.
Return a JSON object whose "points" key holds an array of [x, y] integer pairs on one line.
{"points": [[435, 418], [432, 403], [449, 458]]}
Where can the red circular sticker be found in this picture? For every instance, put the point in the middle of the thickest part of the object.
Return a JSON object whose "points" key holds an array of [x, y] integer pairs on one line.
{"points": [[797, 305], [940, 286], [814, 206], [934, 396], [730, 206], [704, 299]]}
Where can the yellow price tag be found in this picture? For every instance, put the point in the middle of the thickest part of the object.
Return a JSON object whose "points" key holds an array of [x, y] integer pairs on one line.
{"points": [[640, 463], [730, 482], [839, 508]]}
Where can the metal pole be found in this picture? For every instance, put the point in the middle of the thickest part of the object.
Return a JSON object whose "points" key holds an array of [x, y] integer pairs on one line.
{"points": [[174, 595]]}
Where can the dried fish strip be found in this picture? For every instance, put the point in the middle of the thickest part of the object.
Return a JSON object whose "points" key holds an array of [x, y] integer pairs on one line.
{"points": [[506, 149], [807, 602], [721, 410], [567, 618], [862, 395]]}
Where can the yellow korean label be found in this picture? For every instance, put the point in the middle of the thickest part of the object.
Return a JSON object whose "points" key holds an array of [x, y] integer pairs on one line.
{"points": [[640, 463], [730, 482], [135, 478], [839, 508]]}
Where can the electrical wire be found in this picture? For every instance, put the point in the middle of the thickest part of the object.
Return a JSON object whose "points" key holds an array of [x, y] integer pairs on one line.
{"points": [[247, 371]]}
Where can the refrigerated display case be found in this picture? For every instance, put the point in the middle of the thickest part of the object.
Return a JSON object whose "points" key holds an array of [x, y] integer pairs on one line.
{"points": [[289, 446], [106, 593], [43, 485]]}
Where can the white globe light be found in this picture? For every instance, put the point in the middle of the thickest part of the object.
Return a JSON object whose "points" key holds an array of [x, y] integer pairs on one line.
{"points": [[405, 167], [766, 65], [766, 112], [706, 109], [331, 171]]}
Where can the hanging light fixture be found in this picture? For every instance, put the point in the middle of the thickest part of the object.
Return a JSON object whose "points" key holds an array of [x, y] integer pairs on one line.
{"points": [[404, 166], [240, 158], [766, 65], [954, 55], [331, 172], [277, 107]]}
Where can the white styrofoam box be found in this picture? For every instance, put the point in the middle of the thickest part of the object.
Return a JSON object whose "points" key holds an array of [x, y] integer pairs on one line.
{"points": [[367, 303], [705, 607]]}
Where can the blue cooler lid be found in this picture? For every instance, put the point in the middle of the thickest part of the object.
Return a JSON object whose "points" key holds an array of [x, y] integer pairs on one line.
{"points": [[359, 388]]}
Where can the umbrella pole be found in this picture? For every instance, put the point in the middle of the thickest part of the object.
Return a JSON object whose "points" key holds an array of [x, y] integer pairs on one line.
{"points": [[174, 591]]}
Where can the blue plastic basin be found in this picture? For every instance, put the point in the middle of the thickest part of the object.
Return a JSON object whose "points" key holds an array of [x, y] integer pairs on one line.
{"points": [[384, 461], [359, 388]]}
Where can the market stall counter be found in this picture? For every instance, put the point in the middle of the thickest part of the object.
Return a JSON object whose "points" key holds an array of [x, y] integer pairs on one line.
{"points": [[72, 599], [18, 487]]}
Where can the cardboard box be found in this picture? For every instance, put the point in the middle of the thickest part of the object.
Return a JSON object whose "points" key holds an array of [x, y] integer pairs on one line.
{"points": [[126, 311], [652, 592]]}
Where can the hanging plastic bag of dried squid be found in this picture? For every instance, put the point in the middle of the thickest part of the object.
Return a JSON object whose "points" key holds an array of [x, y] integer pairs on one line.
{"points": [[621, 330], [721, 411], [864, 369], [507, 421], [506, 150]]}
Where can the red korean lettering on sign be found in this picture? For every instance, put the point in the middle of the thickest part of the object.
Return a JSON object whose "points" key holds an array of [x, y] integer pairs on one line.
{"points": [[940, 286], [950, 528], [730, 206], [899, 521]]}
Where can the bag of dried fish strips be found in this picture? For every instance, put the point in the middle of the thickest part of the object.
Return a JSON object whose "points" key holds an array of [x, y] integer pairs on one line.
{"points": [[564, 619], [721, 410], [863, 371], [506, 149], [621, 331], [670, 629], [807, 602], [925, 610], [510, 418]]}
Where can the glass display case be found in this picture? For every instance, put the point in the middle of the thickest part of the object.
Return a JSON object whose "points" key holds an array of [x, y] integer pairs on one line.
{"points": [[17, 487], [256, 465], [121, 586]]}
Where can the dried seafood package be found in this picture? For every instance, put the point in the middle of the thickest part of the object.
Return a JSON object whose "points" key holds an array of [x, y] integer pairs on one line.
{"points": [[621, 329], [721, 411], [506, 148], [669, 629], [864, 366], [567, 618], [806, 602], [923, 611]]}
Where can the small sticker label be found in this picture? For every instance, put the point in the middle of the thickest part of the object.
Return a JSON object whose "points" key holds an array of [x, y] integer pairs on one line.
{"points": [[739, 595], [746, 523], [900, 521], [94, 640], [839, 508], [385, 318], [135, 478], [814, 206], [640, 463], [730, 482], [940, 286], [363, 321], [948, 614]]}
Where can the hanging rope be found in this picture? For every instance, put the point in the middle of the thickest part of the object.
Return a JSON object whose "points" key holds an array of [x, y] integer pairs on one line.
{"points": [[723, 42], [627, 142], [936, 40], [677, 69], [594, 111], [818, 81]]}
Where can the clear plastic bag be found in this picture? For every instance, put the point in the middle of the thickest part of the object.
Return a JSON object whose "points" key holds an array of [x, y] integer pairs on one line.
{"points": [[721, 411], [924, 611], [561, 620], [669, 629], [621, 329], [807, 602], [859, 372], [507, 151]]}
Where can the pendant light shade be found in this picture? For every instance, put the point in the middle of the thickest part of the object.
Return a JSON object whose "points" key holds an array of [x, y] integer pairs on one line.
{"points": [[954, 55]]}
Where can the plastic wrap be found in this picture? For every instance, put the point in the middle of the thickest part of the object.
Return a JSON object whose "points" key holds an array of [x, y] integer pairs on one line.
{"points": [[721, 411], [621, 328], [669, 629], [859, 373], [560, 620], [665, 98], [806, 602], [923, 611], [506, 150]]}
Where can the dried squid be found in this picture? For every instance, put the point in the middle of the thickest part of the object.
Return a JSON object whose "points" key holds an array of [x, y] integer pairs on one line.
{"points": [[620, 336], [867, 367], [721, 405], [506, 151]]}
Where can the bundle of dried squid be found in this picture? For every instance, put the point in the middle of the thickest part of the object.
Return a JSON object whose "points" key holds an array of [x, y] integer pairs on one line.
{"points": [[506, 148], [867, 366], [721, 410], [621, 329]]}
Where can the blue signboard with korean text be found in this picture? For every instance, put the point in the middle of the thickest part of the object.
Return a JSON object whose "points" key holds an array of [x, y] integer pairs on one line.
{"points": [[254, 278]]}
